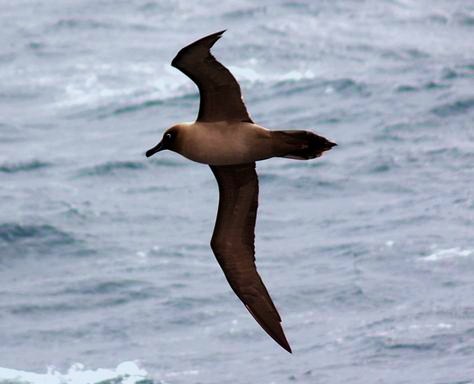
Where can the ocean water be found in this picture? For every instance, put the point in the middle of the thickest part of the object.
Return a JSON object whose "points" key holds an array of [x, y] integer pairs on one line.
{"points": [[106, 274]]}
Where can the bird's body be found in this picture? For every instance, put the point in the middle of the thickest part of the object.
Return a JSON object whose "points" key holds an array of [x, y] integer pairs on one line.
{"points": [[225, 137], [239, 142], [224, 143]]}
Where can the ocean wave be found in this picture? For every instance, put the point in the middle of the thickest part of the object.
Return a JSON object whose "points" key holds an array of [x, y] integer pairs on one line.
{"points": [[449, 153], [88, 89], [460, 71], [11, 233], [162, 162], [464, 18], [18, 241], [112, 167], [80, 23], [35, 45], [127, 372], [407, 54], [414, 346], [139, 105], [180, 92], [31, 309], [455, 108], [32, 165], [245, 12], [118, 167], [129, 287], [429, 86], [345, 86], [169, 91], [449, 253], [134, 107], [379, 163]]}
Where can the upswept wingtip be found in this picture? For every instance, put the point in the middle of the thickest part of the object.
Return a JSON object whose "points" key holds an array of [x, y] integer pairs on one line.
{"points": [[216, 35], [206, 41]]}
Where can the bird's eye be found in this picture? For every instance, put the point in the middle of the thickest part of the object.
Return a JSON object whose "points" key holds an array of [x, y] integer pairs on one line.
{"points": [[168, 136]]}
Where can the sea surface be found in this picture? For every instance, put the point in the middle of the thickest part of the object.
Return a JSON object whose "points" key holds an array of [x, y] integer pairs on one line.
{"points": [[106, 274]]}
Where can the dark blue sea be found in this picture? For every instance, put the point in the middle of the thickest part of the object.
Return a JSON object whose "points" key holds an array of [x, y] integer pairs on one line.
{"points": [[106, 273]]}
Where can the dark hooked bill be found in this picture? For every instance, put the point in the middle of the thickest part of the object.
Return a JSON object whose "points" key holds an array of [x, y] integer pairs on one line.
{"points": [[158, 147]]}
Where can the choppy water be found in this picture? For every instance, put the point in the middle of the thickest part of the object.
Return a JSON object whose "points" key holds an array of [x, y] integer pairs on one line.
{"points": [[367, 252]]}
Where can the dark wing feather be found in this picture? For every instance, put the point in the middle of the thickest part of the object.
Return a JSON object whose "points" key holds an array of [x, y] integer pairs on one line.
{"points": [[233, 244], [221, 98]]}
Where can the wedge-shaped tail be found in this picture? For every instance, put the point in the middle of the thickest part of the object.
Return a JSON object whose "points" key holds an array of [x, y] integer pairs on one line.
{"points": [[300, 145]]}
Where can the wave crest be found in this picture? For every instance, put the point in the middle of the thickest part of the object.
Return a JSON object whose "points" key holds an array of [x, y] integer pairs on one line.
{"points": [[16, 233], [112, 167], [127, 372], [458, 107], [23, 167]]}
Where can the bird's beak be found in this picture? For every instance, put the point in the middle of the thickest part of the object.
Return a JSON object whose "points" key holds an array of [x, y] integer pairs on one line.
{"points": [[157, 148]]}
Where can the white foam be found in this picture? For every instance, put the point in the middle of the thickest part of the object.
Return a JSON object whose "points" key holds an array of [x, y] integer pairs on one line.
{"points": [[127, 372], [145, 82], [190, 372], [252, 76], [449, 253]]}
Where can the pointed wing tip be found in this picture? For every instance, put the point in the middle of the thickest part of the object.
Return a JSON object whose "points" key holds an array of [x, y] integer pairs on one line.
{"points": [[276, 333], [216, 35], [206, 41], [281, 340], [284, 344]]}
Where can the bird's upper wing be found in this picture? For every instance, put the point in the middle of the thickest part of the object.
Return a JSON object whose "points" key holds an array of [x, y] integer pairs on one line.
{"points": [[221, 98], [233, 244]]}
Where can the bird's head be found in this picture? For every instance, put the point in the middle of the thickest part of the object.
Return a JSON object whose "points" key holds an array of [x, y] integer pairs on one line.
{"points": [[168, 141]]}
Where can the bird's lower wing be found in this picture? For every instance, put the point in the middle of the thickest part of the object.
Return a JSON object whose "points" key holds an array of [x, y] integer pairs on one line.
{"points": [[233, 244]]}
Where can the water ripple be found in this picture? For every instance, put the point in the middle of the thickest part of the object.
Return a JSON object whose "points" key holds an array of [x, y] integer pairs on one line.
{"points": [[11, 233], [112, 168], [455, 108], [28, 166]]}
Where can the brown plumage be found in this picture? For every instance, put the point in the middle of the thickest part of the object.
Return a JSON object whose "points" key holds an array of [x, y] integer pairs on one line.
{"points": [[225, 137], [233, 244], [220, 94]]}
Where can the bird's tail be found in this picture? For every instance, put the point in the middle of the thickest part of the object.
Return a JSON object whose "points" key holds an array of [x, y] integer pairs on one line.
{"points": [[300, 145]]}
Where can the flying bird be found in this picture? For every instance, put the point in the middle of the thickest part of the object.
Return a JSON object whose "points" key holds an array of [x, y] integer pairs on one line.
{"points": [[225, 137]]}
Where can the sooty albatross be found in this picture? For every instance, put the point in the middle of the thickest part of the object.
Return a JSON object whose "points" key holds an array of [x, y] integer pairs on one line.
{"points": [[225, 137]]}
